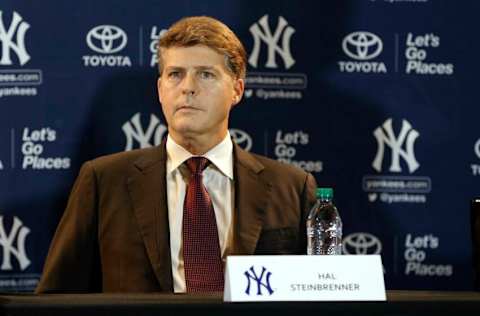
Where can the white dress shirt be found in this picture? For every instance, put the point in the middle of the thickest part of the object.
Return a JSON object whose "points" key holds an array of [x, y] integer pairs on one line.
{"points": [[218, 180]]}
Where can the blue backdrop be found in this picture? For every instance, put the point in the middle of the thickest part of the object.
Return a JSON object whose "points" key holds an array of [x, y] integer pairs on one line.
{"points": [[376, 98]]}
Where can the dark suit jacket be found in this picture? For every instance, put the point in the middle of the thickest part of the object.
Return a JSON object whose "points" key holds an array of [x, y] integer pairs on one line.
{"points": [[114, 234]]}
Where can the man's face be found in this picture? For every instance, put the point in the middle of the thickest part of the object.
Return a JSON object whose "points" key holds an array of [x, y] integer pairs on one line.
{"points": [[197, 92]]}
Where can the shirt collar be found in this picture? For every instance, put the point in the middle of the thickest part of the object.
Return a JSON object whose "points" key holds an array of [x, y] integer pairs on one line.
{"points": [[221, 156]]}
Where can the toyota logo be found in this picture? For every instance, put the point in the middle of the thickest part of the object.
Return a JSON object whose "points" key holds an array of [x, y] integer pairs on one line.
{"points": [[477, 148], [362, 45], [361, 244], [106, 39], [241, 138]]}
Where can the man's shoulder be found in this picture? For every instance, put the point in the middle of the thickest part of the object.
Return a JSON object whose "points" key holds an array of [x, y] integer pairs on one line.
{"points": [[277, 169], [283, 178], [121, 160]]}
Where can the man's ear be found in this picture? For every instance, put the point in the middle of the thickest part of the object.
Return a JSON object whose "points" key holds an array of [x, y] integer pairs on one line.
{"points": [[238, 88]]}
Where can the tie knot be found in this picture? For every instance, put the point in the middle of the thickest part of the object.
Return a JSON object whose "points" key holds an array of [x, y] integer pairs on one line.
{"points": [[197, 164]]}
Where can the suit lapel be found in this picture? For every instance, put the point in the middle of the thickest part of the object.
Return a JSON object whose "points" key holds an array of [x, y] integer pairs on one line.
{"points": [[252, 192], [147, 188]]}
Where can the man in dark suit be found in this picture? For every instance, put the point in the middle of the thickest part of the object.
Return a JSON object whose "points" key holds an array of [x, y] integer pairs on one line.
{"points": [[166, 218]]}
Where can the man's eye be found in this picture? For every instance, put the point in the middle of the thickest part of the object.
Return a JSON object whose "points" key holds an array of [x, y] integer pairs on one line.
{"points": [[174, 74], [207, 75]]}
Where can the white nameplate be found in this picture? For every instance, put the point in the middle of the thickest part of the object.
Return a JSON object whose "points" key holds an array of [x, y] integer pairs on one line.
{"points": [[304, 278]]}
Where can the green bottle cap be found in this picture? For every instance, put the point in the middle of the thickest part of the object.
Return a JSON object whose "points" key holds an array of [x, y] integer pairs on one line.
{"points": [[324, 193]]}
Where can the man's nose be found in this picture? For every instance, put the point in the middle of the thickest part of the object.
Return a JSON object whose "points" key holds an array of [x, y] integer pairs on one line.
{"points": [[189, 85]]}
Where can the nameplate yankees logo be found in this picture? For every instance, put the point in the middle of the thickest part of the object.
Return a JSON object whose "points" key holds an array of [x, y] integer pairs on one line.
{"points": [[385, 136], [261, 32], [13, 244], [262, 281], [134, 131], [19, 27]]}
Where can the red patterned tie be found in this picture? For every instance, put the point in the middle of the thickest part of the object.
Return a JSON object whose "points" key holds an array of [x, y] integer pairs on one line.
{"points": [[201, 248]]}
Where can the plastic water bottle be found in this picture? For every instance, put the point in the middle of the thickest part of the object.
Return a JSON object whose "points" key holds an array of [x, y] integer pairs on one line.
{"points": [[324, 226]]}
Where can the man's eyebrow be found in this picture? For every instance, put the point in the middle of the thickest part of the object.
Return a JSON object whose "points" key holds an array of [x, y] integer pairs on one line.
{"points": [[201, 67], [205, 67], [213, 69], [174, 68]]}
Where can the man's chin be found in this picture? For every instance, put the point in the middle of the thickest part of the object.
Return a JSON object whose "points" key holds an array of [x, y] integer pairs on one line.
{"points": [[186, 130]]}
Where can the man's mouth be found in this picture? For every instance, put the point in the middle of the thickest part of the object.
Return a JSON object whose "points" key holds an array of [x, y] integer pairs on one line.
{"points": [[187, 108]]}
